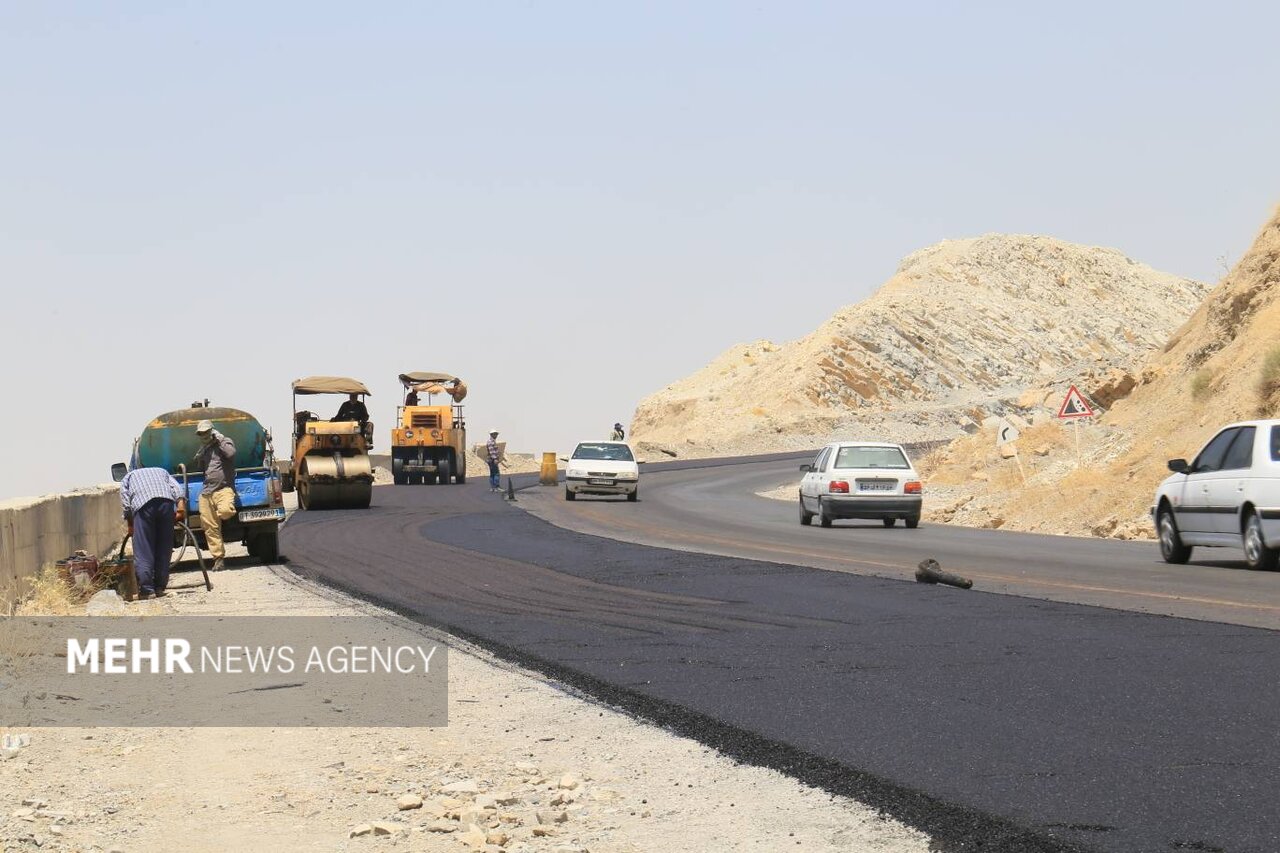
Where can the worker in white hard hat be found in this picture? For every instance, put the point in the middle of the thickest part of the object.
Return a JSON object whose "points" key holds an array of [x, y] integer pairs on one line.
{"points": [[217, 459], [493, 452]]}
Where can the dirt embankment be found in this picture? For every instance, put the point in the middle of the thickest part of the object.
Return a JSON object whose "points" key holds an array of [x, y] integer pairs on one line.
{"points": [[958, 334], [1222, 365]]}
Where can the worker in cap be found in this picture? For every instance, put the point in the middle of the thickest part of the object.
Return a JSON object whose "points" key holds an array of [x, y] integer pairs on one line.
{"points": [[217, 459], [493, 455]]}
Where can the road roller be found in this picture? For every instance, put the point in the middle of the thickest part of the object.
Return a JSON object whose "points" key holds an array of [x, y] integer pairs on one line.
{"points": [[429, 441], [330, 467]]}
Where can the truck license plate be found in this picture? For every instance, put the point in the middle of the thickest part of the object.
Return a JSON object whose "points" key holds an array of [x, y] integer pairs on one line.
{"points": [[261, 514]]}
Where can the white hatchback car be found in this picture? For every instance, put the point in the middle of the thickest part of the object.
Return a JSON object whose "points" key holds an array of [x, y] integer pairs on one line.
{"points": [[602, 468], [861, 479], [1228, 497]]}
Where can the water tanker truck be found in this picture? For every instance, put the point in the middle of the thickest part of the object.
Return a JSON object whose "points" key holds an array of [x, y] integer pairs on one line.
{"points": [[170, 442]]}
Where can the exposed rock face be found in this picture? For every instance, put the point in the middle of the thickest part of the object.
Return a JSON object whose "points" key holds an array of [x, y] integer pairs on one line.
{"points": [[1213, 370], [958, 333]]}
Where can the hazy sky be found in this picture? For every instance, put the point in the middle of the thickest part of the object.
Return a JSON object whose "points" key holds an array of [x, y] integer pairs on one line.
{"points": [[212, 199]]}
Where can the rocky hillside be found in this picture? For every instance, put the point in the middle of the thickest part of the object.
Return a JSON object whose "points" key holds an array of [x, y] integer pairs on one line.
{"points": [[1222, 365], [960, 332]]}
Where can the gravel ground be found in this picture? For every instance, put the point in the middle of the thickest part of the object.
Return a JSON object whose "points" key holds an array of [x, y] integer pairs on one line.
{"points": [[522, 766]]}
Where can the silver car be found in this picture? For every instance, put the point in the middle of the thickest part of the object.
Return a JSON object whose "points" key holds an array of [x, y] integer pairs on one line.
{"points": [[861, 479]]}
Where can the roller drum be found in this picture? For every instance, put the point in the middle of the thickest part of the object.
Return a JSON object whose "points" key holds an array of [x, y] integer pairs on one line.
{"points": [[335, 482]]}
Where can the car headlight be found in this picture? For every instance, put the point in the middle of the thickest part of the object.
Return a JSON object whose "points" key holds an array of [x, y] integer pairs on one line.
{"points": [[628, 475], [575, 472]]}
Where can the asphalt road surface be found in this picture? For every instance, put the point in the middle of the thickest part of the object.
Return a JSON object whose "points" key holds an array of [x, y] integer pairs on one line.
{"points": [[990, 721], [716, 510]]}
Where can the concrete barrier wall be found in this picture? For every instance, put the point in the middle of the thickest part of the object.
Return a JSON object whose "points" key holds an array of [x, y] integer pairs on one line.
{"points": [[37, 531]]}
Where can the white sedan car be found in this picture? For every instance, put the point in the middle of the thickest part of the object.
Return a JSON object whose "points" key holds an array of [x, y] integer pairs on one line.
{"points": [[602, 468], [861, 479], [1228, 497]]}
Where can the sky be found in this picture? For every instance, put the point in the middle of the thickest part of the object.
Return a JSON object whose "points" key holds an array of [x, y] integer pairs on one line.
{"points": [[569, 205]]}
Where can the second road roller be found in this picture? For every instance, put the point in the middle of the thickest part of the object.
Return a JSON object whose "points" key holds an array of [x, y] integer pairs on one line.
{"points": [[429, 442]]}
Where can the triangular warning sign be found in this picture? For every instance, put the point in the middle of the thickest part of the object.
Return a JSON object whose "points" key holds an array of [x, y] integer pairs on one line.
{"points": [[1074, 406]]}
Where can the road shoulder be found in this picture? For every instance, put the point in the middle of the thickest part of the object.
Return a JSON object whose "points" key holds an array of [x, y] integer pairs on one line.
{"points": [[512, 734]]}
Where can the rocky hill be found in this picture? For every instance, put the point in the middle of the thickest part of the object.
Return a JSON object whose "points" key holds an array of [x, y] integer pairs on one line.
{"points": [[959, 333], [1222, 365]]}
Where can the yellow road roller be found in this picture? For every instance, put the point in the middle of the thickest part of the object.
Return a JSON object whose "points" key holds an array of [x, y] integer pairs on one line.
{"points": [[429, 441], [330, 467]]}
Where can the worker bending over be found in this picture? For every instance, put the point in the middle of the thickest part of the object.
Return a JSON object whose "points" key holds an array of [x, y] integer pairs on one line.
{"points": [[151, 500]]}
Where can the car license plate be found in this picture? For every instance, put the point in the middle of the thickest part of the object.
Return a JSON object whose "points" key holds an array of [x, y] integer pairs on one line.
{"points": [[875, 487], [261, 514], [600, 482]]}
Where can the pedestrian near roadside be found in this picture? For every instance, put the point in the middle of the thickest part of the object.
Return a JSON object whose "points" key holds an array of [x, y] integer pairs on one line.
{"points": [[618, 433], [151, 499], [217, 459], [494, 457]]}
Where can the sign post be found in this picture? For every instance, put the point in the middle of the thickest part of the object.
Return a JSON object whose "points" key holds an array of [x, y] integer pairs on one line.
{"points": [[1075, 408]]}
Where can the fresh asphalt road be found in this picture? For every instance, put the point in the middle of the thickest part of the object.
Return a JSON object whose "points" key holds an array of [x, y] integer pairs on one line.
{"points": [[717, 510], [993, 722]]}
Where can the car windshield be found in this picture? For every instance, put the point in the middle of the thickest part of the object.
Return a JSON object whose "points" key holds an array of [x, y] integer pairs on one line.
{"points": [[871, 457], [1275, 444], [606, 451]]}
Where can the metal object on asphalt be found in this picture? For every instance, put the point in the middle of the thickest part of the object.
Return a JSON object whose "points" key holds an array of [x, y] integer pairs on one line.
{"points": [[511, 490], [930, 571]]}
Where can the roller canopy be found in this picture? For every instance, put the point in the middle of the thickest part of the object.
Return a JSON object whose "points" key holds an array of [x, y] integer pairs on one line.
{"points": [[329, 385], [420, 376], [435, 383]]}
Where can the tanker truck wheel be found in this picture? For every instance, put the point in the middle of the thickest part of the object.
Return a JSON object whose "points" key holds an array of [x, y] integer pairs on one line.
{"points": [[266, 546], [397, 471], [445, 470]]}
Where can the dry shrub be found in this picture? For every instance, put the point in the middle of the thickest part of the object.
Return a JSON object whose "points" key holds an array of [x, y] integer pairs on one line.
{"points": [[50, 595], [955, 463], [1049, 432], [933, 460], [1200, 384], [1003, 476], [952, 464], [1269, 384]]}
